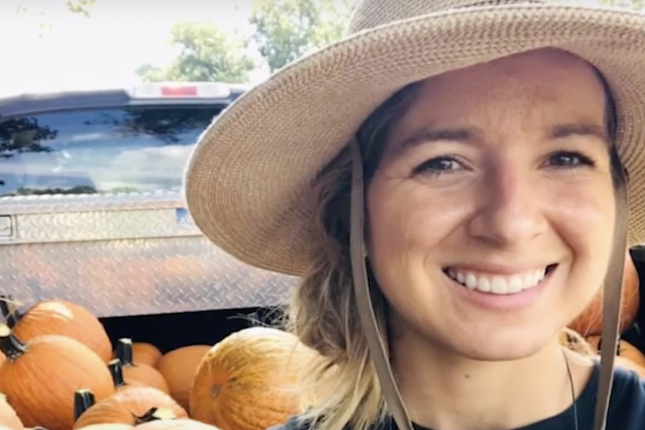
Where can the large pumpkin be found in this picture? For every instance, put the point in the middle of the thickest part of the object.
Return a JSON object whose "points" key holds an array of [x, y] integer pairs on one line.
{"points": [[589, 322], [179, 367], [243, 382], [41, 377], [180, 424], [131, 406], [59, 317]]}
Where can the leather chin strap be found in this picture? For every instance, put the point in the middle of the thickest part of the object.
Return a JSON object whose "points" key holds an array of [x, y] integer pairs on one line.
{"points": [[376, 341]]}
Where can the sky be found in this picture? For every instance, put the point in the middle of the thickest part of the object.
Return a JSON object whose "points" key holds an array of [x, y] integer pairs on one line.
{"points": [[103, 50]]}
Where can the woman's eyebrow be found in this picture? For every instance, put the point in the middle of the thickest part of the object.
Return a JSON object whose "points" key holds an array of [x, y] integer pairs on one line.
{"points": [[430, 134], [580, 129]]}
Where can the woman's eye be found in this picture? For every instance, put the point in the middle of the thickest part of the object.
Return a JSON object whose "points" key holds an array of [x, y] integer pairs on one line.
{"points": [[438, 165], [569, 159]]}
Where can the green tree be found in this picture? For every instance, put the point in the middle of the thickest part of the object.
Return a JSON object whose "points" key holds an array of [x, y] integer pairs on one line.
{"points": [[287, 29], [206, 54], [29, 8]]}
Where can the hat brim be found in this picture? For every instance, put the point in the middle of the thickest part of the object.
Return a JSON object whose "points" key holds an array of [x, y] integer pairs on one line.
{"points": [[248, 182]]}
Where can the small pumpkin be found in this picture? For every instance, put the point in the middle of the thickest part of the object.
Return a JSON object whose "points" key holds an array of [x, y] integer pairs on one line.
{"points": [[116, 370], [135, 372], [180, 424], [624, 349], [58, 317], [243, 382], [145, 353], [41, 376], [179, 367], [8, 416], [132, 406], [589, 322]]}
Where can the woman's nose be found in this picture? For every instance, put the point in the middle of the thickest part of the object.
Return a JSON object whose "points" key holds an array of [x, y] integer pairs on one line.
{"points": [[509, 211]]}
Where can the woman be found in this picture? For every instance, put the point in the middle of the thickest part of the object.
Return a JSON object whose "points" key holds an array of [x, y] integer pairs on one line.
{"points": [[486, 146]]}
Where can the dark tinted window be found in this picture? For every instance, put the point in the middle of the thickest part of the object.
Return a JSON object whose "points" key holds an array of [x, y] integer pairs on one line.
{"points": [[137, 149]]}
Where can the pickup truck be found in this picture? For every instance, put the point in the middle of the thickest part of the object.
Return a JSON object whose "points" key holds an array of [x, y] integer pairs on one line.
{"points": [[91, 211]]}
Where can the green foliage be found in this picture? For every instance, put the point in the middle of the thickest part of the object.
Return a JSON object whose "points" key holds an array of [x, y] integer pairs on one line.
{"points": [[205, 54], [287, 29]]}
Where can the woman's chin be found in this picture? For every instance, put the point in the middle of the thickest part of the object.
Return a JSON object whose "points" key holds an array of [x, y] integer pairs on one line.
{"points": [[503, 345]]}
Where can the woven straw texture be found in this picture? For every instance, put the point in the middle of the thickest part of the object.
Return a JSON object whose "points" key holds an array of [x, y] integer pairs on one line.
{"points": [[249, 179]]}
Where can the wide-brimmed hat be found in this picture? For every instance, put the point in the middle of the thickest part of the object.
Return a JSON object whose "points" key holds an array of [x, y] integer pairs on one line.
{"points": [[249, 180]]}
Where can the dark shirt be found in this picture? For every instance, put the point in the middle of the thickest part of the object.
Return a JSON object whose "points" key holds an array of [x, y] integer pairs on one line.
{"points": [[626, 408]]}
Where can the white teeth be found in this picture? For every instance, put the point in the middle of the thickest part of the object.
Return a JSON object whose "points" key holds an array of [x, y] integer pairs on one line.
{"points": [[498, 284]]}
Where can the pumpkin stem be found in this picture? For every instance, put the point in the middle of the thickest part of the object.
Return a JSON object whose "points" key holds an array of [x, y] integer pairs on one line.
{"points": [[9, 310], [10, 345], [83, 400], [124, 351], [155, 414], [116, 370]]}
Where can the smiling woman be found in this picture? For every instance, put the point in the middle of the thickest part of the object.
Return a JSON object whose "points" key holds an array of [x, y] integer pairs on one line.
{"points": [[451, 218]]}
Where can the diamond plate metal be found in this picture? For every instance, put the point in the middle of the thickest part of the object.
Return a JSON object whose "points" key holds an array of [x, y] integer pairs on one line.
{"points": [[124, 255]]}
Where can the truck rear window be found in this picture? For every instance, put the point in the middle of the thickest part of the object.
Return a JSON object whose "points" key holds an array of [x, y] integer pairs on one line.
{"points": [[115, 150]]}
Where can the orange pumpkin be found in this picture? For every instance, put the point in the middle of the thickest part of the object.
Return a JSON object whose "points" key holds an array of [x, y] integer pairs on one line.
{"points": [[133, 406], [145, 353], [243, 381], [179, 367], [41, 376], [589, 322], [8, 416], [135, 372], [59, 317], [108, 426], [181, 424], [624, 349], [116, 370]]}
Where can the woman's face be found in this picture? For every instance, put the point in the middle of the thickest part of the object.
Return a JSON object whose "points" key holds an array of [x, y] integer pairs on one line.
{"points": [[491, 214]]}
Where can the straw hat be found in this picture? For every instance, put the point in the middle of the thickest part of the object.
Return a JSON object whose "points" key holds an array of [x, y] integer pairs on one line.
{"points": [[249, 179]]}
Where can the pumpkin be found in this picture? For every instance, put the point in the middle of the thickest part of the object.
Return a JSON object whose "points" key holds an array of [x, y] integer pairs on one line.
{"points": [[41, 376], [133, 371], [133, 406], [116, 370], [180, 424], [574, 341], [624, 349], [243, 381], [145, 353], [179, 367], [8, 416], [108, 426], [59, 317], [589, 322]]}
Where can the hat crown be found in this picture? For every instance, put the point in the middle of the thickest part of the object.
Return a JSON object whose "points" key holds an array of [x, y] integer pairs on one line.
{"points": [[373, 13]]}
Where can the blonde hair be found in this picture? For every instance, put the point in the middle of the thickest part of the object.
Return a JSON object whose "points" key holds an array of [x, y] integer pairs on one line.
{"points": [[323, 311]]}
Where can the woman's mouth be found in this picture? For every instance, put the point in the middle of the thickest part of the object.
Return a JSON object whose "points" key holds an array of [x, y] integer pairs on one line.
{"points": [[499, 284]]}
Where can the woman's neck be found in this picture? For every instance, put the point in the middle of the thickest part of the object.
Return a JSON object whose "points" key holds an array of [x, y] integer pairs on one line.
{"points": [[444, 392]]}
